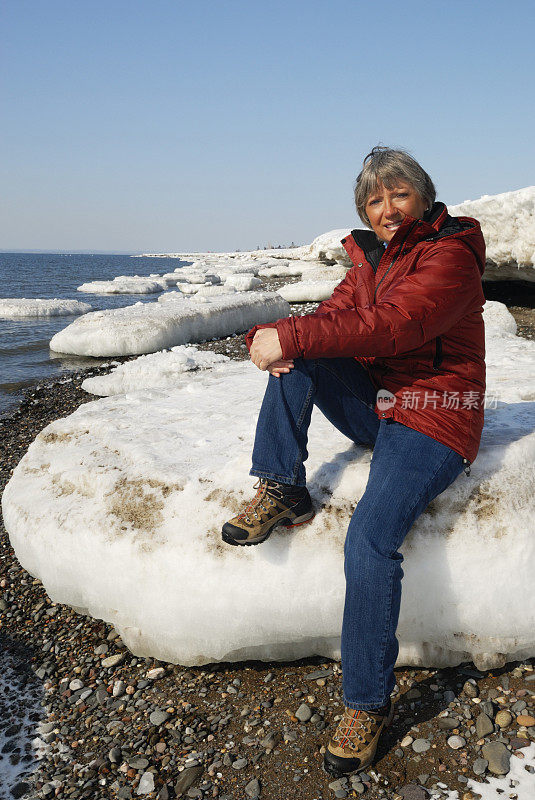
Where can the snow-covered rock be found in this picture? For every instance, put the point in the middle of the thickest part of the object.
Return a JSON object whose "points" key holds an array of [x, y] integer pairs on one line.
{"points": [[118, 510], [13, 308], [155, 371], [305, 291], [148, 327]]}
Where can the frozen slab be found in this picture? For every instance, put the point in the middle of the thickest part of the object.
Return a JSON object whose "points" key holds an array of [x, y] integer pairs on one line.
{"points": [[243, 282], [508, 225], [305, 291], [13, 308], [122, 286], [148, 327], [118, 510], [154, 371]]}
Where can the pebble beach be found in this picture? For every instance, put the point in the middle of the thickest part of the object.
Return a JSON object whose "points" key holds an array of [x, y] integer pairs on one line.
{"points": [[81, 717]]}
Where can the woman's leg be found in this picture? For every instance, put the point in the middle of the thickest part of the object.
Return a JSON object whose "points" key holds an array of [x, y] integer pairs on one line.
{"points": [[407, 471], [342, 390]]}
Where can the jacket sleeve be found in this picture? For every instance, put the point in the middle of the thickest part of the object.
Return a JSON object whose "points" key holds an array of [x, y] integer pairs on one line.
{"points": [[342, 297], [445, 286]]}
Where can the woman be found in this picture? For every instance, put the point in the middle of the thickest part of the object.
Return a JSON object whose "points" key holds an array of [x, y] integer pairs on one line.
{"points": [[395, 360]]}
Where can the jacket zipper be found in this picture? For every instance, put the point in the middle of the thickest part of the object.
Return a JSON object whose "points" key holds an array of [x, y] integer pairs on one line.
{"points": [[437, 361], [416, 222]]}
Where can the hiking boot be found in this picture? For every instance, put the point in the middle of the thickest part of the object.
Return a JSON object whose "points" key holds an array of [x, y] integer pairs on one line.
{"points": [[274, 504], [353, 746]]}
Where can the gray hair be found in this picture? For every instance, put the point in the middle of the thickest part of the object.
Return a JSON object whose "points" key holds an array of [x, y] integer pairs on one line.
{"points": [[387, 166]]}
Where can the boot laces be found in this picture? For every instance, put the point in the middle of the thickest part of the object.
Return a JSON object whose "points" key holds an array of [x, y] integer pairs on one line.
{"points": [[354, 727], [264, 490]]}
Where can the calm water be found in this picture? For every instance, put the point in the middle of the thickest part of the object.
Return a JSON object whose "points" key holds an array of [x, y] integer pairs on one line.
{"points": [[24, 352]]}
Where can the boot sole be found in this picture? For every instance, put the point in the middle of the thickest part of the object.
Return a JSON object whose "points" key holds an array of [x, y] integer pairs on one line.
{"points": [[336, 766], [286, 523]]}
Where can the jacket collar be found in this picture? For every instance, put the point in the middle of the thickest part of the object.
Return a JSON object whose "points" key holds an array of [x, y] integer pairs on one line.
{"points": [[407, 235]]}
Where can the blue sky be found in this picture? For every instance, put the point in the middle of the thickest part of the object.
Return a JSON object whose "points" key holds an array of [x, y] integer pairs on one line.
{"points": [[168, 126]]}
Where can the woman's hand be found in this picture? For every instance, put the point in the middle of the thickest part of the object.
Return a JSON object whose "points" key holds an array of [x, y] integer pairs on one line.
{"points": [[266, 352]]}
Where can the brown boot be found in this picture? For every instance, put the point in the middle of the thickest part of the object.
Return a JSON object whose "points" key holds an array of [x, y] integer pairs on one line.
{"points": [[353, 746], [274, 504]]}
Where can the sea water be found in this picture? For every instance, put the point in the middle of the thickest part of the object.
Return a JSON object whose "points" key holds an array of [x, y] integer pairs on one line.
{"points": [[24, 352]]}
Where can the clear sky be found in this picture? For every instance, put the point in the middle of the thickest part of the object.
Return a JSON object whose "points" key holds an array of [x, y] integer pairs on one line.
{"points": [[162, 125]]}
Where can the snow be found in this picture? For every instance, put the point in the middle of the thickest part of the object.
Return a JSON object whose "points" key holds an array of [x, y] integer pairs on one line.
{"points": [[518, 783], [13, 308], [21, 712], [155, 371], [122, 285], [508, 225], [305, 291], [118, 510], [243, 282], [148, 327]]}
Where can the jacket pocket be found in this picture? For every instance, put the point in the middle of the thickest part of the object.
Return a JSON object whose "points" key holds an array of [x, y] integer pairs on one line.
{"points": [[437, 360]]}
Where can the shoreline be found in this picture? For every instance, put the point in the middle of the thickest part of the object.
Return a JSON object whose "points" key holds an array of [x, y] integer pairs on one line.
{"points": [[109, 718]]}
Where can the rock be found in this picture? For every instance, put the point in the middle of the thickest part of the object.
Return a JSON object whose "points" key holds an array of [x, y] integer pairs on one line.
{"points": [[519, 706], [75, 685], [479, 766], [411, 791], [146, 784], [158, 717], [412, 694], [319, 673], [240, 763], [525, 719], [138, 763], [470, 688], [187, 779], [503, 718], [156, 673], [421, 745], [487, 707], [252, 789], [303, 713], [406, 741], [269, 742], [498, 757], [484, 726], [456, 742], [113, 661], [447, 723], [118, 688], [115, 755]]}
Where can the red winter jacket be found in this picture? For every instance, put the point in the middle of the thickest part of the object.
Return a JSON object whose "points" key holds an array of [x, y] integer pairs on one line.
{"points": [[412, 315]]}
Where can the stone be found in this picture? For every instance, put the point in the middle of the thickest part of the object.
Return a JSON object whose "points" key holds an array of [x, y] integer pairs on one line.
{"points": [[525, 719], [447, 723], [406, 741], [187, 778], [503, 718], [412, 694], [498, 756], [411, 791], [146, 784], [115, 755], [470, 688], [138, 763], [484, 726], [303, 713], [156, 673], [421, 745], [456, 742], [252, 789], [113, 661], [319, 673], [487, 707], [269, 742], [158, 717], [75, 685], [240, 763], [479, 766]]}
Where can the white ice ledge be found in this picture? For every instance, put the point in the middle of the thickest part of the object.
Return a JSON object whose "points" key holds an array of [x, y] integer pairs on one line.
{"points": [[15, 308], [118, 510]]}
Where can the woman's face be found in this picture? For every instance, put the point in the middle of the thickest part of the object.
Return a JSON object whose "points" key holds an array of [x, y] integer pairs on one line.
{"points": [[387, 208]]}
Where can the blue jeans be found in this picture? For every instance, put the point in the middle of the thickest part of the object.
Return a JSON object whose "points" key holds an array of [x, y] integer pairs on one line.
{"points": [[408, 469]]}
